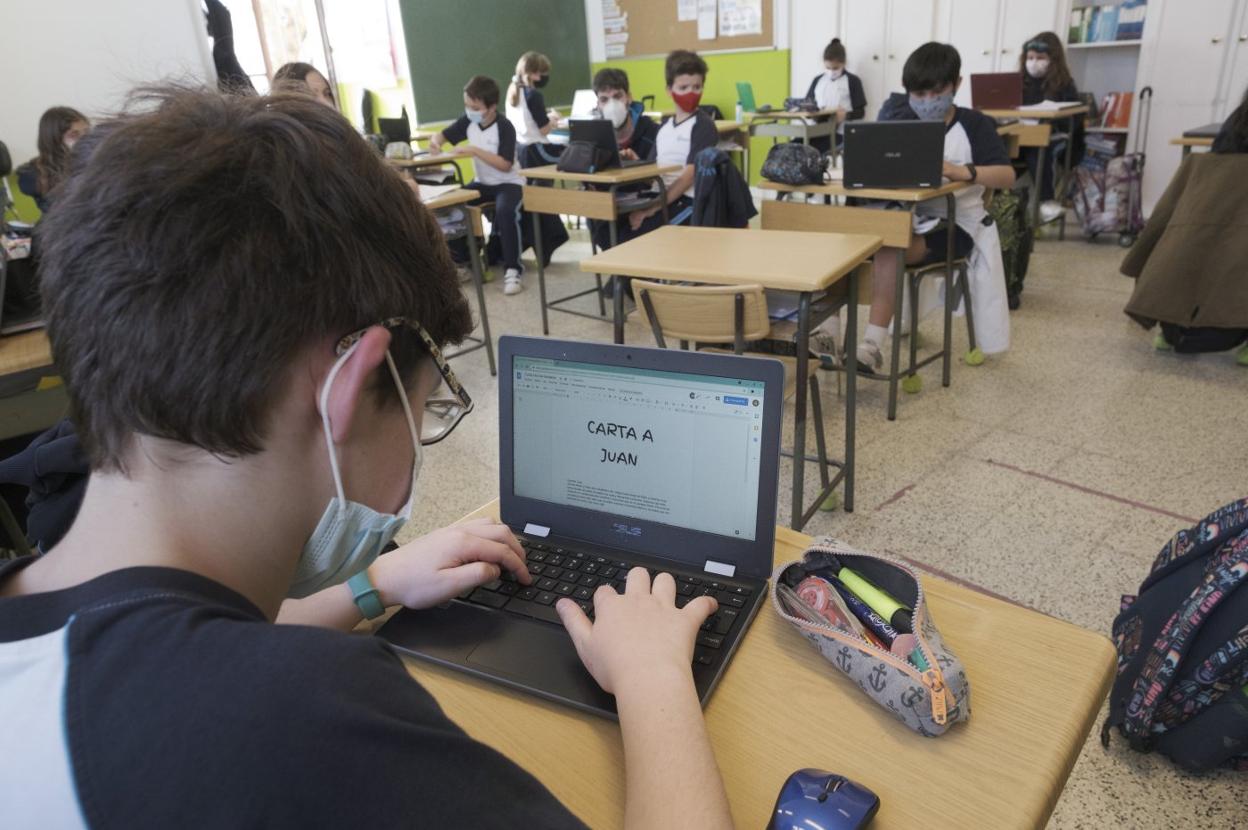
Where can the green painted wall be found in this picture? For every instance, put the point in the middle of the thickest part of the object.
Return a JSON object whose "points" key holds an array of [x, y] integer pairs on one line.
{"points": [[767, 71]]}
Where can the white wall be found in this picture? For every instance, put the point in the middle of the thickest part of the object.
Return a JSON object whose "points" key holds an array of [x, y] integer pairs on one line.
{"points": [[88, 55]]}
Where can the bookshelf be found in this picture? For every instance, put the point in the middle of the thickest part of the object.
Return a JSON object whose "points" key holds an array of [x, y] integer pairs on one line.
{"points": [[1103, 49]]}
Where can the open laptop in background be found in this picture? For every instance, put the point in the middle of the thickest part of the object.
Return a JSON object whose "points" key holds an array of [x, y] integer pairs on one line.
{"points": [[613, 457], [1207, 131], [745, 94], [893, 154], [584, 102], [997, 90], [601, 133]]}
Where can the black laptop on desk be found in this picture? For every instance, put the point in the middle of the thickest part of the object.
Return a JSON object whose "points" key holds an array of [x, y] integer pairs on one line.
{"points": [[613, 457], [601, 133], [893, 154]]}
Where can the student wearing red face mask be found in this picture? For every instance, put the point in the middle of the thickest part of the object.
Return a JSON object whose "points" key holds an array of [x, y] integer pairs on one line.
{"points": [[679, 140]]}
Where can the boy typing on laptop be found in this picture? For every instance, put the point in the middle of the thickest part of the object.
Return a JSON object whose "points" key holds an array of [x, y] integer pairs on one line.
{"points": [[254, 415], [973, 153]]}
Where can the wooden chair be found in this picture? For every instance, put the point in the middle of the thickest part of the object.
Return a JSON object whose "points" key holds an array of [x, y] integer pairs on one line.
{"points": [[736, 316]]}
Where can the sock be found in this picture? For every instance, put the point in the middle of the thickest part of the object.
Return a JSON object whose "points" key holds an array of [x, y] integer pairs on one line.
{"points": [[875, 334]]}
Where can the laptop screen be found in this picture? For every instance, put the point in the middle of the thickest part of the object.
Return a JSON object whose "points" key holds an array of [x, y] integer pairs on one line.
{"points": [[584, 102], [668, 447]]}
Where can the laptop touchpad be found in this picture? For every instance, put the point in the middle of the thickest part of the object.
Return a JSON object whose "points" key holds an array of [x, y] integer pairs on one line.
{"points": [[540, 657]]}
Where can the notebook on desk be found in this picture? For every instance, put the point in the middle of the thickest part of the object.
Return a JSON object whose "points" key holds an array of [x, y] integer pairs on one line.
{"points": [[614, 457]]}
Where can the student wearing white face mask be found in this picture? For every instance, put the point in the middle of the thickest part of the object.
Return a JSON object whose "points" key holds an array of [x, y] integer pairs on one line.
{"points": [[836, 88], [635, 132], [1046, 77]]}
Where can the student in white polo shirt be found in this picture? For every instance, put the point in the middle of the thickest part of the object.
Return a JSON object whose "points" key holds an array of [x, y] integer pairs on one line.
{"points": [[679, 140], [492, 145]]}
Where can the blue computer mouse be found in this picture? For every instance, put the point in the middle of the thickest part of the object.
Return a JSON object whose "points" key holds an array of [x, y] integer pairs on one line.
{"points": [[814, 798]]}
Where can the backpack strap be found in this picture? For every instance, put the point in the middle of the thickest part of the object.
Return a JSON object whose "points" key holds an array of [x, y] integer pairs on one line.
{"points": [[1227, 571]]}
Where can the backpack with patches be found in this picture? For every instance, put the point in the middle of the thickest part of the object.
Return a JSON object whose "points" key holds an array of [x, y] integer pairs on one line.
{"points": [[1182, 684]]}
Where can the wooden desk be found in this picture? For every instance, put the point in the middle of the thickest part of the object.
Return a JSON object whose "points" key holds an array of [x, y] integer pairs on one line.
{"points": [[432, 160], [1040, 140], [1188, 142], [779, 124], [461, 198], [1036, 687], [32, 397], [739, 134], [595, 202], [859, 220], [806, 263]]}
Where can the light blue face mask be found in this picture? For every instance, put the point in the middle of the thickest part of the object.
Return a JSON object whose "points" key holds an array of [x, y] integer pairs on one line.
{"points": [[350, 535], [475, 116], [932, 109]]}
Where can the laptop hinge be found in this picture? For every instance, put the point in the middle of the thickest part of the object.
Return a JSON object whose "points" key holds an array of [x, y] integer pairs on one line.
{"points": [[719, 568], [539, 531]]}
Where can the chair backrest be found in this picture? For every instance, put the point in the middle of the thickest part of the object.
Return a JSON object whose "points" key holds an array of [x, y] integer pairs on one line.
{"points": [[704, 313], [6, 161]]}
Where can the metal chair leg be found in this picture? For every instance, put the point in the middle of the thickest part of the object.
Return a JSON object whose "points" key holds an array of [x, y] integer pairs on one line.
{"points": [[821, 448], [970, 313]]}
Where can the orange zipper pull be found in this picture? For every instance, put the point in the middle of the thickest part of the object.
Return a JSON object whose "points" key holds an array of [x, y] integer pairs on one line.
{"points": [[936, 686]]}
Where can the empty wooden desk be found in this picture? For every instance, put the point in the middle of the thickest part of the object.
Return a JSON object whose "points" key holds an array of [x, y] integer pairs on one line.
{"points": [[460, 198], [32, 397], [1190, 142], [896, 234], [1036, 686], [807, 264], [603, 202], [738, 135]]}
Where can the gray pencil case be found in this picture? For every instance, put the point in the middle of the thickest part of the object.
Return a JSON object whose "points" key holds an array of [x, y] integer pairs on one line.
{"points": [[928, 701]]}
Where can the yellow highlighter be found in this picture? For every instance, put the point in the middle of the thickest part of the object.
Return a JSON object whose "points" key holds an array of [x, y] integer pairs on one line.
{"points": [[880, 601]]}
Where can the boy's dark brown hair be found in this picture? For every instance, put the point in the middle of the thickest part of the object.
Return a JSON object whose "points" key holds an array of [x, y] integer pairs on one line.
{"points": [[202, 241], [683, 62], [610, 78], [482, 88], [834, 51]]}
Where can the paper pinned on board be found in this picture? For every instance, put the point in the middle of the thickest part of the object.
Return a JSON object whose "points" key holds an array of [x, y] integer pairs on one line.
{"points": [[707, 19], [615, 50], [686, 10], [616, 37], [740, 17]]}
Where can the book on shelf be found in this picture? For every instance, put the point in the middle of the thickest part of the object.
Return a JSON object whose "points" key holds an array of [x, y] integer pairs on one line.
{"points": [[1107, 22], [1116, 109]]}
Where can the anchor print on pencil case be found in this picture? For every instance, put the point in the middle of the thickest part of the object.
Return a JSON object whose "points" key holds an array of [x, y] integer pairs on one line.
{"points": [[843, 659], [877, 677]]}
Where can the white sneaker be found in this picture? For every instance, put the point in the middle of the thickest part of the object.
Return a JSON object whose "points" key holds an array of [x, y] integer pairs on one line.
{"points": [[511, 282], [826, 342], [870, 358], [1050, 210]]}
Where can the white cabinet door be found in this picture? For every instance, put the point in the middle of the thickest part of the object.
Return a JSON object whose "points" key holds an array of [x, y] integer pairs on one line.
{"points": [[911, 23], [1237, 82], [1022, 20], [811, 26], [1185, 68], [863, 33], [972, 28]]}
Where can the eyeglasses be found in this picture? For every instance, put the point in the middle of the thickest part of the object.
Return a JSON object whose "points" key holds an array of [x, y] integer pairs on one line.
{"points": [[447, 405]]}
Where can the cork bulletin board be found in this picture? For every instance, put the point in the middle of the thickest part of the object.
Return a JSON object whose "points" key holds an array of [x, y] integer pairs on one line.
{"points": [[654, 29]]}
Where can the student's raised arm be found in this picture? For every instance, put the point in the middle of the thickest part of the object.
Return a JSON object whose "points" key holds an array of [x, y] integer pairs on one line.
{"points": [[640, 648]]}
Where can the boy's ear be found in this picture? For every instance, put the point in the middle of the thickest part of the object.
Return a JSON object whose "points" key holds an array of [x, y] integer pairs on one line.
{"points": [[351, 382]]}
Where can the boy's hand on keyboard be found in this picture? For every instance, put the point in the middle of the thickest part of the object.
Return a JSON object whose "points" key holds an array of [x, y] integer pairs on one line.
{"points": [[639, 635], [437, 567]]}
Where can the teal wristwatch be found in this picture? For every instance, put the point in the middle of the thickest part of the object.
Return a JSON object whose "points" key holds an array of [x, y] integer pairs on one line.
{"points": [[367, 597]]}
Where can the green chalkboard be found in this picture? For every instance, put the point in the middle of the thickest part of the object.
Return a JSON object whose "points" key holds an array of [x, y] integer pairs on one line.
{"points": [[449, 42]]}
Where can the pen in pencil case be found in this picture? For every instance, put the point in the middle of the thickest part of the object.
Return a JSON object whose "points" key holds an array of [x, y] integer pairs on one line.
{"points": [[873, 621]]}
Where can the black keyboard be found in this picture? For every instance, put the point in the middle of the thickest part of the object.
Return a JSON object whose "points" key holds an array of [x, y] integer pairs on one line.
{"points": [[559, 572]]}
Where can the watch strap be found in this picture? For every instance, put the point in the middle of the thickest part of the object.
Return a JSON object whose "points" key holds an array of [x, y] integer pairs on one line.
{"points": [[367, 597], [974, 172]]}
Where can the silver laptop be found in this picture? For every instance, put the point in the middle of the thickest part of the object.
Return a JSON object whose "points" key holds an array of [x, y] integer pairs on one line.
{"points": [[614, 457]]}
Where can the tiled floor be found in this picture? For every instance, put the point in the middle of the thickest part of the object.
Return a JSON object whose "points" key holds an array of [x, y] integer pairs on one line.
{"points": [[1052, 475]]}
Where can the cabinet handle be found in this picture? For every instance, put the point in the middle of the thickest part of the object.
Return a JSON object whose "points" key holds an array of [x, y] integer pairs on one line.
{"points": [[1243, 38], [987, 51], [892, 57], [875, 57], [1005, 51], [1215, 40]]}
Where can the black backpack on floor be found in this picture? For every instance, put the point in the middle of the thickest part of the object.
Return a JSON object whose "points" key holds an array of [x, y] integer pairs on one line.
{"points": [[1182, 684]]}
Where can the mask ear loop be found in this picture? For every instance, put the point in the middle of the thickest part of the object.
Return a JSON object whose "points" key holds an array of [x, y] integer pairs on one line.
{"points": [[407, 406], [329, 435]]}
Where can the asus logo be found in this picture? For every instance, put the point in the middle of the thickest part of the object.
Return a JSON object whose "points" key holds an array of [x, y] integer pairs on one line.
{"points": [[895, 154], [626, 530]]}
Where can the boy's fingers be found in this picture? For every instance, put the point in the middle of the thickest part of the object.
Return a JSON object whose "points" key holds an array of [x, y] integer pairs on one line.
{"points": [[578, 625]]}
